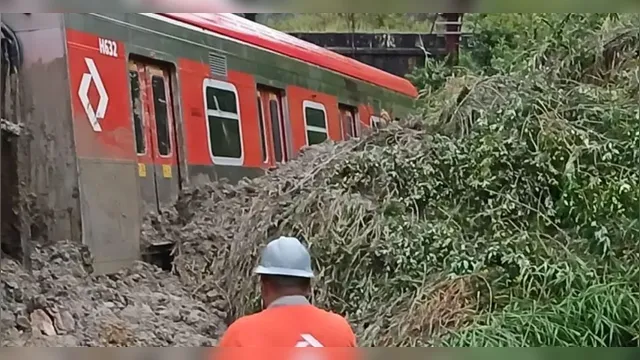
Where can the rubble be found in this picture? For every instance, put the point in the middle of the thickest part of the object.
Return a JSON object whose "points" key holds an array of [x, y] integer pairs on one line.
{"points": [[11, 128], [62, 304]]}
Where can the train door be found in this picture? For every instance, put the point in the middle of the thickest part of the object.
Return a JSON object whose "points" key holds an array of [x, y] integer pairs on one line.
{"points": [[272, 126], [348, 121], [155, 134]]}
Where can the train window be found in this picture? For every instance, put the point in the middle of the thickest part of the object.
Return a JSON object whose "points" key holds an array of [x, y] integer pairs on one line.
{"points": [[223, 100], [223, 122], [315, 120], [136, 108], [263, 140], [162, 120], [274, 113]]}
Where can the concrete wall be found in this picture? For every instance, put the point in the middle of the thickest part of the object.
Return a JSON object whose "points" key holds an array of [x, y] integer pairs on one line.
{"points": [[396, 53]]}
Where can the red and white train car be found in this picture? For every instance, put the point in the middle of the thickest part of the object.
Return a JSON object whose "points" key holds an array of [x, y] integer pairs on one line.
{"points": [[124, 110]]}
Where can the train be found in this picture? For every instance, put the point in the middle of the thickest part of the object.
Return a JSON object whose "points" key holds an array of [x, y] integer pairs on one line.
{"points": [[125, 110]]}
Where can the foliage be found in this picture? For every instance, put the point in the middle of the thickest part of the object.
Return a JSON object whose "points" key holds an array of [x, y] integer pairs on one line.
{"points": [[533, 43], [348, 21], [540, 123], [506, 214]]}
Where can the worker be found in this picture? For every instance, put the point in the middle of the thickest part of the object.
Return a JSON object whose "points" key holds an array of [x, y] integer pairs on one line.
{"points": [[288, 318]]}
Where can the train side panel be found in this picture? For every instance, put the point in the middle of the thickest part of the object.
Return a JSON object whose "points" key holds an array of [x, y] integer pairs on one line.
{"points": [[203, 140], [303, 100], [365, 112], [101, 115], [268, 68], [183, 109], [104, 146]]}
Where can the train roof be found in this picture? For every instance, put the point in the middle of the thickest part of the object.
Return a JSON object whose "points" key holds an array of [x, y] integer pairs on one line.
{"points": [[262, 36]]}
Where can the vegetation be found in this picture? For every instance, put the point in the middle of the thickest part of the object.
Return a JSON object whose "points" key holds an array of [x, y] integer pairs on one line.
{"points": [[540, 133], [360, 22], [506, 213]]}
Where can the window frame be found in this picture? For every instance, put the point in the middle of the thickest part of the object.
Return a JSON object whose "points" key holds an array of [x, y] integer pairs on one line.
{"points": [[354, 114], [280, 123], [287, 131], [262, 125], [226, 86], [143, 118], [374, 121], [317, 106], [351, 125], [168, 110], [358, 125]]}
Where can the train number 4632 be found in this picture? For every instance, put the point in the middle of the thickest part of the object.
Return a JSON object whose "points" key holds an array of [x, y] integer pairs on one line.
{"points": [[108, 47]]}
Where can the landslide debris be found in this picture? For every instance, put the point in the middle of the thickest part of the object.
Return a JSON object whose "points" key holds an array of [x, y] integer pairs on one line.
{"points": [[507, 215], [62, 304]]}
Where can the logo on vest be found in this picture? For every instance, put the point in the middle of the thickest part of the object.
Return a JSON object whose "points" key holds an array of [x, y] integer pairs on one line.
{"points": [[308, 341]]}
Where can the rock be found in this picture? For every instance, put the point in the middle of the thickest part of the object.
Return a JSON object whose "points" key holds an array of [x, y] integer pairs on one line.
{"points": [[21, 311], [219, 304], [133, 314], [17, 294], [41, 322], [52, 311], [209, 343], [64, 323], [193, 317], [116, 334], [213, 296], [162, 300], [38, 303], [220, 314], [23, 323]]}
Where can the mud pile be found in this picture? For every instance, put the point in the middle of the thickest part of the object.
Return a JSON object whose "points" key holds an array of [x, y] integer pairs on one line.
{"points": [[351, 202], [62, 304]]}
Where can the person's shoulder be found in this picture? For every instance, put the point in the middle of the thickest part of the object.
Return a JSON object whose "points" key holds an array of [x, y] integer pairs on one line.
{"points": [[333, 316], [245, 321], [336, 320], [240, 328], [340, 328]]}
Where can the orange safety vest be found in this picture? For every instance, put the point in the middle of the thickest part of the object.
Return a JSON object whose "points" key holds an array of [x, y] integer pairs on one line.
{"points": [[290, 322]]}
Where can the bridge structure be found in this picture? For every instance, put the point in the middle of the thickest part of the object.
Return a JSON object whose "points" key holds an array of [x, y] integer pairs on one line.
{"points": [[395, 52]]}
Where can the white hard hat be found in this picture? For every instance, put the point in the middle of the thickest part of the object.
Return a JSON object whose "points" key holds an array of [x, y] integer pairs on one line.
{"points": [[285, 256]]}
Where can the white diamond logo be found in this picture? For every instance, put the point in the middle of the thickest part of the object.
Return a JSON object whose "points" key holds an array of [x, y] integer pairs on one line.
{"points": [[308, 341], [83, 92]]}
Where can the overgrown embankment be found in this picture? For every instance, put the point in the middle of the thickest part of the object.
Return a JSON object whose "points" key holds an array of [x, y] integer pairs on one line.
{"points": [[506, 215]]}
